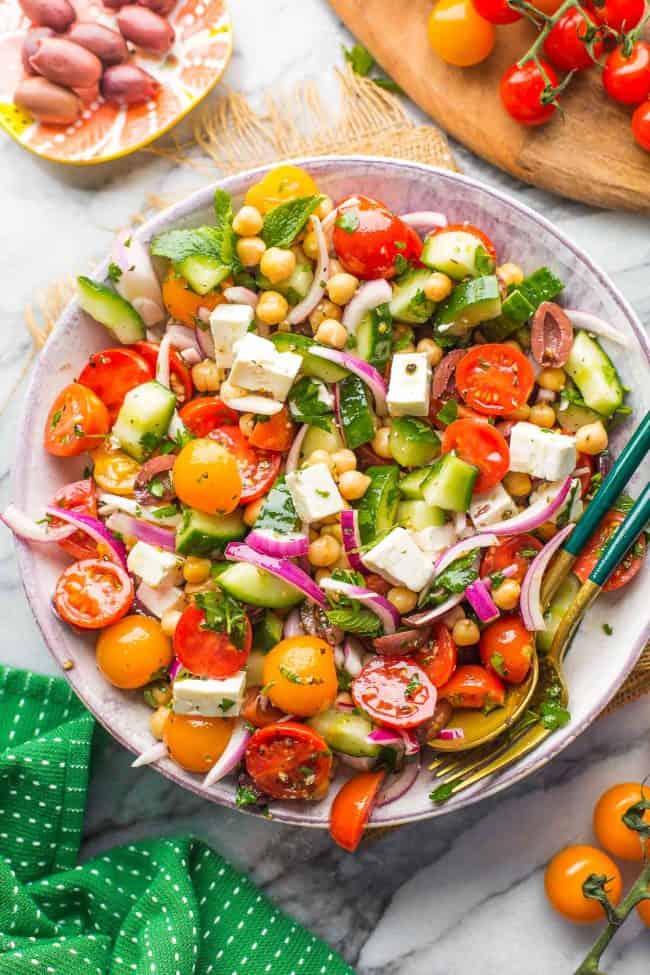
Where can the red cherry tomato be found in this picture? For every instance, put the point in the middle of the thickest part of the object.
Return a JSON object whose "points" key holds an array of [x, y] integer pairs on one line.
{"points": [[494, 379], [206, 652], [352, 807], [183, 386], [81, 497], [521, 92], [496, 11], [112, 373], [481, 445], [77, 421], [586, 464], [288, 760], [438, 659], [518, 551], [565, 46], [368, 239], [203, 414], [507, 649], [641, 125], [621, 15], [626, 79], [395, 692], [474, 687], [258, 468], [273, 432], [93, 593], [586, 561]]}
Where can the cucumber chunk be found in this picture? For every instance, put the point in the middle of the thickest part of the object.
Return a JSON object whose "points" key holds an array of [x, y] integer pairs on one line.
{"points": [[409, 302], [312, 365], [346, 733], [206, 535], [375, 336], [258, 587], [278, 513], [471, 302], [413, 442], [317, 438], [294, 288], [378, 507], [521, 303], [111, 310], [458, 254], [572, 416], [450, 484], [416, 515], [594, 374], [559, 605], [267, 631], [411, 485], [144, 418], [203, 274], [357, 418]]}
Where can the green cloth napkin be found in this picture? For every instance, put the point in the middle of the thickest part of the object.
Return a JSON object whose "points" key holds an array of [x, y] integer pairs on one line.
{"points": [[169, 906]]}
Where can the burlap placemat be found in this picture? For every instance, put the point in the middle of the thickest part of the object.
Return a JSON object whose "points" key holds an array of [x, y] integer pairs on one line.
{"points": [[229, 137]]}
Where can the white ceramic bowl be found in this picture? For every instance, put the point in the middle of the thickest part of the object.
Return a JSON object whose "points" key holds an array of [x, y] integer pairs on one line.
{"points": [[597, 664]]}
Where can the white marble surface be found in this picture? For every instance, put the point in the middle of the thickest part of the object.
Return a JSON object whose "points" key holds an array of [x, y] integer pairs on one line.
{"points": [[431, 899]]}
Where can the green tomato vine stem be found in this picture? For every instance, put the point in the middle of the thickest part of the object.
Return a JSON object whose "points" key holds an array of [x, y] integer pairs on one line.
{"points": [[640, 891]]}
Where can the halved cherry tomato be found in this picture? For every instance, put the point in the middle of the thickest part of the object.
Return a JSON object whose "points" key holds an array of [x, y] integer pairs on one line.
{"points": [[458, 34], [280, 185], [130, 652], [114, 471], [80, 496], [288, 760], [181, 377], [273, 432], [611, 831], [585, 463], [203, 414], [368, 239], [507, 649], [196, 742], [517, 550], [522, 88], [497, 11], [469, 228], [258, 468], [77, 421], [112, 373], [93, 593], [184, 304], [438, 659], [395, 692], [626, 77], [564, 45], [495, 379], [207, 476], [472, 686], [586, 561], [481, 445], [206, 652], [253, 712], [567, 872], [352, 807]]}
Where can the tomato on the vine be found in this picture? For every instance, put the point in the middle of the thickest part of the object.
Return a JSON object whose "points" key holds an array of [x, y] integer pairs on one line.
{"points": [[458, 34], [565, 45], [522, 88], [626, 77], [620, 15], [567, 872], [497, 11], [370, 241], [611, 831], [641, 125]]}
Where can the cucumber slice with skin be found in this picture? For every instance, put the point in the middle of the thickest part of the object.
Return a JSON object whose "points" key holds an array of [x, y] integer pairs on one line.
{"points": [[413, 442], [471, 302], [258, 587], [458, 254], [375, 337], [312, 365], [294, 288], [267, 632], [144, 418], [346, 733], [594, 374], [378, 507], [206, 535], [111, 310], [559, 605], [203, 274], [357, 418], [411, 485], [450, 484], [416, 515], [409, 302], [317, 438], [572, 416]]}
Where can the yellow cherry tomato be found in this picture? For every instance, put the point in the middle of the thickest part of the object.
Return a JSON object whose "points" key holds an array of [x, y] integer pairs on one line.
{"points": [[196, 742], [182, 303], [612, 833], [300, 676], [565, 876], [458, 34], [281, 184], [114, 471], [132, 651], [206, 476]]}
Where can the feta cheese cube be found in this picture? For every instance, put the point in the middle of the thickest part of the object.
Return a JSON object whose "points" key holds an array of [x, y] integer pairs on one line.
{"points": [[399, 559], [490, 507], [434, 539], [159, 601], [409, 390], [154, 566], [314, 493], [572, 508], [258, 367], [211, 698], [229, 324], [541, 453]]}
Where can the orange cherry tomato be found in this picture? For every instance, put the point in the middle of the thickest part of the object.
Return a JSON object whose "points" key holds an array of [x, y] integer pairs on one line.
{"points": [[273, 432], [112, 373], [195, 742], [181, 377], [368, 239], [518, 550], [132, 651], [643, 910], [481, 445], [394, 691], [93, 593], [280, 185], [77, 421], [300, 676], [80, 496], [438, 659], [206, 476], [203, 414], [567, 872], [352, 807], [494, 379], [507, 649], [474, 687], [183, 304], [206, 652], [623, 573], [253, 712], [258, 468], [458, 34], [611, 831], [288, 760]]}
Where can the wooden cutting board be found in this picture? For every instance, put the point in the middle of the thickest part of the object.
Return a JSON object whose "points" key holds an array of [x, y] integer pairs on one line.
{"points": [[588, 154]]}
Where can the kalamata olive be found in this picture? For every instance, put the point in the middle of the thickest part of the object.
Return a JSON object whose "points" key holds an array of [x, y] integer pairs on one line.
{"points": [[441, 718], [87, 95], [402, 642], [48, 102], [551, 335], [30, 44], [126, 84], [108, 45], [162, 7], [145, 28], [116, 4], [66, 63], [57, 14], [444, 376]]}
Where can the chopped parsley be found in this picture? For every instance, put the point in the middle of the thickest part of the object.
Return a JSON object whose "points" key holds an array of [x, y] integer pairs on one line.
{"points": [[114, 271], [413, 686], [246, 796], [607, 629], [226, 705], [169, 511], [349, 221], [294, 678], [223, 614], [56, 418]]}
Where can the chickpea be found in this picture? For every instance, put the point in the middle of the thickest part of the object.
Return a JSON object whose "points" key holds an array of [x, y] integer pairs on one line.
{"points": [[334, 530], [324, 309], [250, 250], [277, 264], [196, 569], [341, 287], [344, 460], [465, 633], [272, 308], [547, 531], [320, 457], [518, 485], [431, 349], [248, 222], [353, 485], [521, 413], [207, 376], [252, 512], [324, 551], [381, 443], [542, 415], [324, 208], [592, 438], [403, 599], [510, 274], [553, 379], [438, 286], [169, 621], [506, 596], [332, 333], [157, 722], [310, 246], [158, 695]]}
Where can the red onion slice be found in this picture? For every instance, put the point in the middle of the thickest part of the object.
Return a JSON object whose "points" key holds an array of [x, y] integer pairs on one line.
{"points": [[450, 734], [424, 221], [385, 736], [23, 527], [597, 325], [145, 531], [96, 530], [287, 571], [380, 607], [294, 453], [359, 367], [353, 654], [151, 755], [205, 340], [138, 282], [234, 753], [536, 515], [288, 546], [398, 784], [410, 739], [478, 596], [321, 273], [293, 625], [369, 296], [241, 296], [344, 702], [352, 539], [162, 362], [175, 668], [183, 338], [532, 612], [429, 615], [465, 545]]}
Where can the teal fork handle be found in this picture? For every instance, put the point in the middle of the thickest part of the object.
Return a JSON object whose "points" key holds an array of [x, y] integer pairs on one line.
{"points": [[626, 464], [615, 551]]}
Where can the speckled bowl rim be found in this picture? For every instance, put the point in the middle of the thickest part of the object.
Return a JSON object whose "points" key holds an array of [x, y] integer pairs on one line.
{"points": [[27, 557]]}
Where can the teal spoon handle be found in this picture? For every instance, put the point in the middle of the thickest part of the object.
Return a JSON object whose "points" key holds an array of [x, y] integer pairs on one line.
{"points": [[625, 466], [615, 551]]}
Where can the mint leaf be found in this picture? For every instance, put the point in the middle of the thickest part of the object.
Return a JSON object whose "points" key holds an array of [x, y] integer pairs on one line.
{"points": [[216, 242], [361, 621], [224, 216], [284, 222], [359, 58], [307, 403]]}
